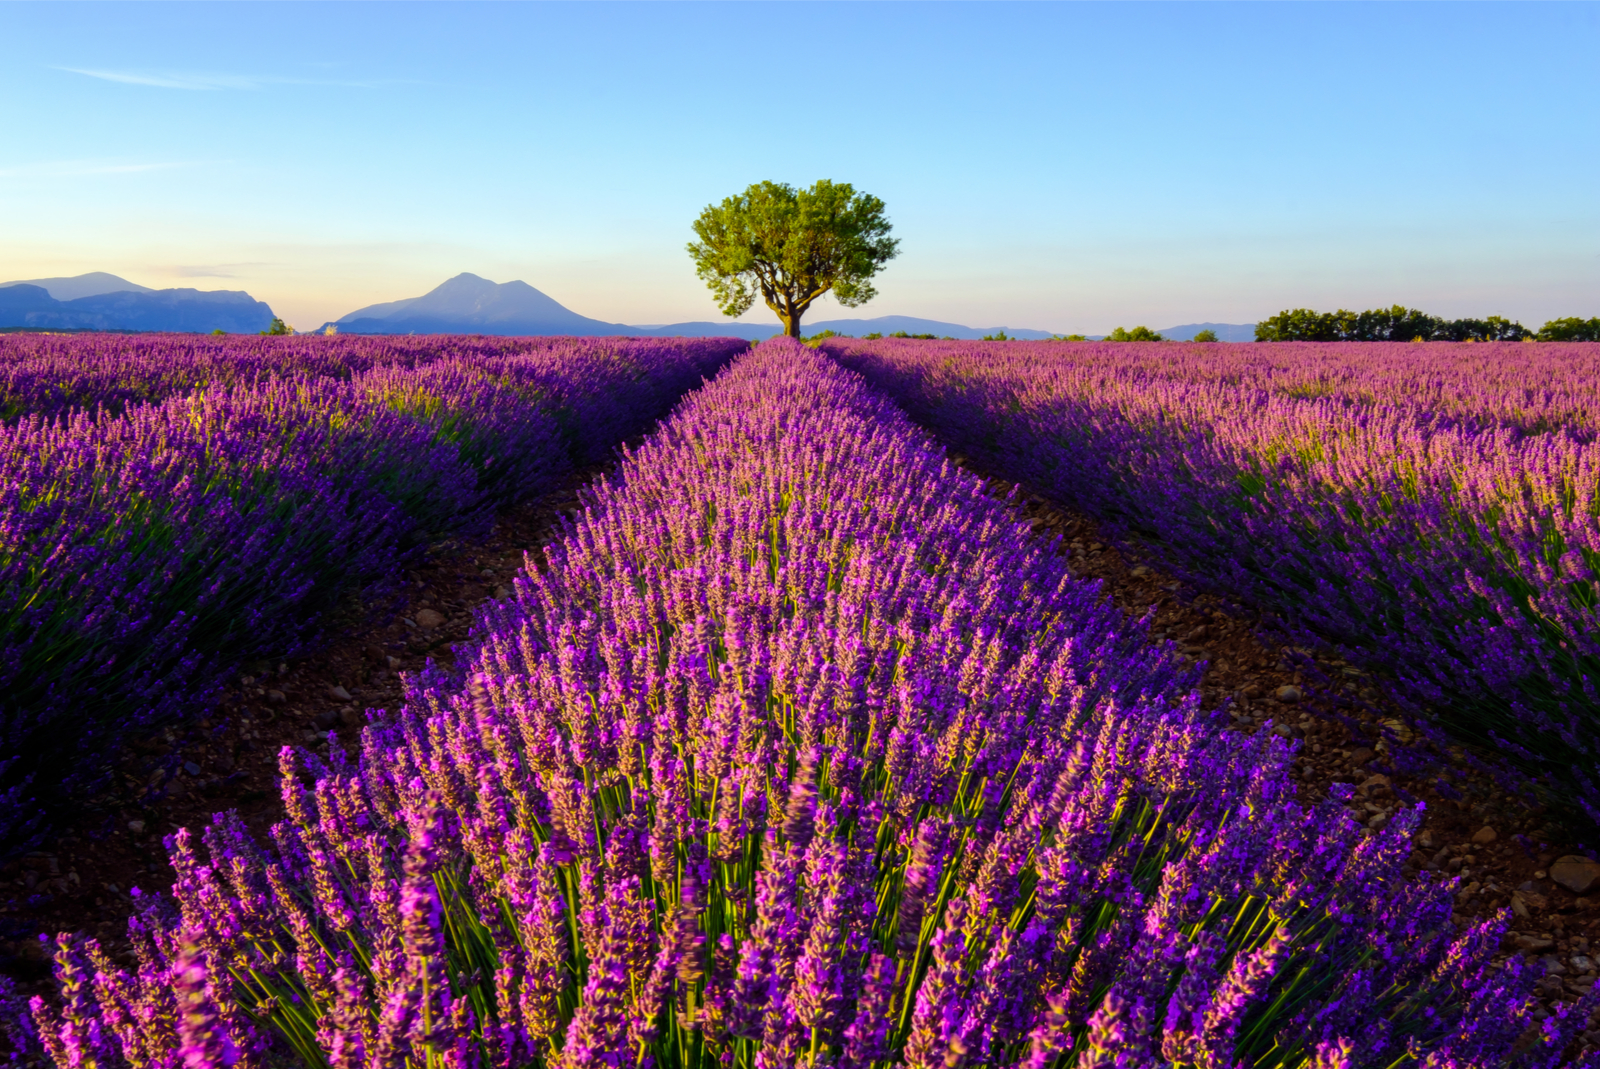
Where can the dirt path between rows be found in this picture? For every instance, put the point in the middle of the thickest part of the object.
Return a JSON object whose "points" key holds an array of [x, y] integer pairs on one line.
{"points": [[83, 880], [1501, 849]]}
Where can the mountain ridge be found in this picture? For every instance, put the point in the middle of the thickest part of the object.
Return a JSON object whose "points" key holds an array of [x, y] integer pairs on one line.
{"points": [[92, 284], [30, 306]]}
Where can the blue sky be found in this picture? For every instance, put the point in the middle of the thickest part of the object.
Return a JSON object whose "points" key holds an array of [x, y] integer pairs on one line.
{"points": [[1066, 167]]}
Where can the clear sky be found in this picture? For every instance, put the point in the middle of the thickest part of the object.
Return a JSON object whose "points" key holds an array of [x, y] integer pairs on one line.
{"points": [[1064, 167]]}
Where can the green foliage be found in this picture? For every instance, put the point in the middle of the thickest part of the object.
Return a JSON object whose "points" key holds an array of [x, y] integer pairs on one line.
{"points": [[1069, 337], [1136, 334], [1571, 329], [998, 335], [817, 339], [1396, 323], [278, 326], [1206, 336], [874, 336], [792, 246], [218, 332], [916, 337]]}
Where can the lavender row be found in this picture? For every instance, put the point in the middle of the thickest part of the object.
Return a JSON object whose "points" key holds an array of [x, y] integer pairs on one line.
{"points": [[53, 375], [144, 556], [800, 752], [1459, 558]]}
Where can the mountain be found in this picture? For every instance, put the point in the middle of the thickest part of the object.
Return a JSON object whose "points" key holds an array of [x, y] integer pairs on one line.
{"points": [[468, 304], [912, 325], [730, 328], [91, 285], [24, 304], [1224, 331]]}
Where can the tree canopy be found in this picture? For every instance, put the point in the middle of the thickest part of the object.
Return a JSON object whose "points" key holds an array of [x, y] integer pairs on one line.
{"points": [[278, 326], [1136, 334], [1396, 323], [1571, 329], [792, 246]]}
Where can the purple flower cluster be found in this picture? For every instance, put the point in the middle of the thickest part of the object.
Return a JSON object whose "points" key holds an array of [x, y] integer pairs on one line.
{"points": [[143, 556], [799, 751], [52, 375], [1431, 511]]}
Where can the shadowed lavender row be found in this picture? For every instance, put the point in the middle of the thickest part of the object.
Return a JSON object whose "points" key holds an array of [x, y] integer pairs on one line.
{"points": [[1454, 548], [143, 556], [800, 752]]}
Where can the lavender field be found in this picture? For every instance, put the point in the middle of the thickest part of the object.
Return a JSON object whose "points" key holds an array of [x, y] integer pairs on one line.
{"points": [[1431, 513], [798, 750], [171, 507]]}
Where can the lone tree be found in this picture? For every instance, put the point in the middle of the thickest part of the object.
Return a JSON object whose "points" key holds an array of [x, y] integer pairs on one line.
{"points": [[793, 246]]}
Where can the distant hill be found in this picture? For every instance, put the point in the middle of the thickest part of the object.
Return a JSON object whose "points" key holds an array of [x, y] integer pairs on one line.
{"points": [[913, 325], [468, 304], [731, 328], [26, 304], [91, 285], [1224, 331]]}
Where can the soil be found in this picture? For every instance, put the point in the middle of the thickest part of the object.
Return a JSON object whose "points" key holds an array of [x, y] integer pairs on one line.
{"points": [[1492, 848], [82, 881]]}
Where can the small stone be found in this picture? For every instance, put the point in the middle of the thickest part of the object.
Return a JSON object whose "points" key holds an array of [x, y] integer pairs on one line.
{"points": [[1484, 834], [1360, 755], [374, 654], [340, 693], [1378, 821], [502, 592], [1582, 963], [276, 697], [136, 826], [191, 768], [1283, 731], [408, 621], [1552, 965], [1533, 942], [1140, 572], [394, 663], [1576, 873], [487, 573], [428, 619], [1519, 906], [1287, 695]]}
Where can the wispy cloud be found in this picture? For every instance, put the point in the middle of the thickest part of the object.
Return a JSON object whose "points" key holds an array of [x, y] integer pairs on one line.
{"points": [[210, 270], [87, 168], [208, 82]]}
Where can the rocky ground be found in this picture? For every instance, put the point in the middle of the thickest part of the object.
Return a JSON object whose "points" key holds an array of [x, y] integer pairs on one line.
{"points": [[83, 880], [1495, 849]]}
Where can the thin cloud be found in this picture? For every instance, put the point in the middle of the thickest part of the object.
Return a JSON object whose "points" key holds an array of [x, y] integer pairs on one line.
{"points": [[169, 81], [207, 82], [210, 270], [87, 168]]}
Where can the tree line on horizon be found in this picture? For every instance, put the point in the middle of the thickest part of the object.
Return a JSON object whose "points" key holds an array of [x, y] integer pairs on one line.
{"points": [[1399, 323]]}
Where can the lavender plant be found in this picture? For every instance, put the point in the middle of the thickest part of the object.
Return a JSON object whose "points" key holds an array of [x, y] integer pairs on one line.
{"points": [[53, 375], [1431, 511], [143, 556], [799, 752]]}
